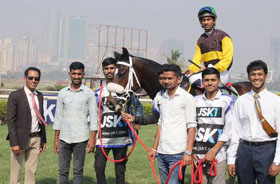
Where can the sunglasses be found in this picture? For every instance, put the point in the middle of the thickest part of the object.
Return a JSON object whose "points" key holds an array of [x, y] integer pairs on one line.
{"points": [[31, 78]]}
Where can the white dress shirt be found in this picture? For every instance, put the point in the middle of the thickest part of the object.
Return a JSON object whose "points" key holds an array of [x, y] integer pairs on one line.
{"points": [[177, 115], [224, 103], [247, 125], [35, 123]]}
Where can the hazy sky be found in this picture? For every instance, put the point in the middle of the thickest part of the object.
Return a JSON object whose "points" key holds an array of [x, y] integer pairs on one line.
{"points": [[250, 23]]}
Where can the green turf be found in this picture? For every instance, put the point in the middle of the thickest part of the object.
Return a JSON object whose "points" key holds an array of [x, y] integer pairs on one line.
{"points": [[138, 169]]}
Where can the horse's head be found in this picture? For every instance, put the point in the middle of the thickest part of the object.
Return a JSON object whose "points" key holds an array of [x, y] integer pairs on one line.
{"points": [[125, 80]]}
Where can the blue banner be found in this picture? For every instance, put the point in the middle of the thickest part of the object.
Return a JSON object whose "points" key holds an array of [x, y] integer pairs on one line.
{"points": [[49, 108]]}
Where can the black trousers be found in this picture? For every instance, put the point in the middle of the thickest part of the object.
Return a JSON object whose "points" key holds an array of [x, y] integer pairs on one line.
{"points": [[100, 164], [253, 163]]}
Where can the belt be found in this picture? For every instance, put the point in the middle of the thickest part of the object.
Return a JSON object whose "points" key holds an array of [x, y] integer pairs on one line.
{"points": [[249, 143], [35, 134]]}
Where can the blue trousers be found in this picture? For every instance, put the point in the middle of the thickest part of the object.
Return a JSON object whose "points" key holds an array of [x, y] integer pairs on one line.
{"points": [[253, 163], [165, 162]]}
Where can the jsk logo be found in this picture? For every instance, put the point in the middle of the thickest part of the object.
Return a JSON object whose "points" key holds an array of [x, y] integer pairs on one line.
{"points": [[112, 126], [206, 138], [211, 112]]}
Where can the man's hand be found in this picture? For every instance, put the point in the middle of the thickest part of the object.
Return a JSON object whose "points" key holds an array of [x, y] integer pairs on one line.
{"points": [[91, 145], [56, 146], [231, 170], [129, 117], [43, 148], [274, 170], [187, 159], [136, 127], [152, 154], [16, 150], [195, 160], [210, 156]]}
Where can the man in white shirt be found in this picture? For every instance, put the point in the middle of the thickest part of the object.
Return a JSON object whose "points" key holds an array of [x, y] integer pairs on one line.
{"points": [[255, 150], [214, 118], [176, 128]]}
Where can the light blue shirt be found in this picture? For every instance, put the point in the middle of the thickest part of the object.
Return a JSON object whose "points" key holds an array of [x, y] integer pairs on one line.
{"points": [[73, 111]]}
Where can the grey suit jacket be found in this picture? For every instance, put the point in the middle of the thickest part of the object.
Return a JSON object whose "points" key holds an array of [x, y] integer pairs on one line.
{"points": [[19, 119]]}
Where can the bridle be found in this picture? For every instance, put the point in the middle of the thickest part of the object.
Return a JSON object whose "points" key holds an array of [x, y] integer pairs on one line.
{"points": [[131, 74]]}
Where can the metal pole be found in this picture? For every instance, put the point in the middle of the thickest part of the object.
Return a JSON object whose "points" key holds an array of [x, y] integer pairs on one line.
{"points": [[146, 44], [131, 44], [139, 36]]}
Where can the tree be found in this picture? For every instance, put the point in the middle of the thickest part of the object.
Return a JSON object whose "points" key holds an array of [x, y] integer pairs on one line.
{"points": [[175, 58]]}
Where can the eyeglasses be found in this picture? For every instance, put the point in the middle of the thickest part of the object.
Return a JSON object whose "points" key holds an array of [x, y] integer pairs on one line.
{"points": [[31, 78]]}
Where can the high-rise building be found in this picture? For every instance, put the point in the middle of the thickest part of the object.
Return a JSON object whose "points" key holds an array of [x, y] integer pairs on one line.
{"points": [[6, 55], [72, 39], [2, 27], [275, 52], [25, 52], [51, 36]]}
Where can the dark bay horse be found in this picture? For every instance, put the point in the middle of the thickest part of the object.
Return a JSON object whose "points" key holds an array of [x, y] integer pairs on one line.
{"points": [[134, 73]]}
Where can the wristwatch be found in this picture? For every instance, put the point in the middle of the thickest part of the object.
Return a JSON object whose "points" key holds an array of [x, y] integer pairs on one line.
{"points": [[187, 152], [276, 163]]}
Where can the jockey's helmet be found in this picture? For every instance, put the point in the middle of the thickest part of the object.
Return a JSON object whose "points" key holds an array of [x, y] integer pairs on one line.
{"points": [[207, 11]]}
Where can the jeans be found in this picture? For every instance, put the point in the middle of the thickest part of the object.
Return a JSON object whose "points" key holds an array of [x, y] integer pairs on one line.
{"points": [[64, 159], [165, 163], [100, 164]]}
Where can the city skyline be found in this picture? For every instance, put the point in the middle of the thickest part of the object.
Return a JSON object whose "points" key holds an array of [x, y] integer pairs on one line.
{"points": [[252, 24]]}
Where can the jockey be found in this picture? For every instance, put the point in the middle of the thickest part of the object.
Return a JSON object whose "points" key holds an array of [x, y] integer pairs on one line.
{"points": [[213, 47]]}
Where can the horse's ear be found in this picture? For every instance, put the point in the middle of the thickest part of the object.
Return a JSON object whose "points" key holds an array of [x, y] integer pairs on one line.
{"points": [[125, 53], [117, 55]]}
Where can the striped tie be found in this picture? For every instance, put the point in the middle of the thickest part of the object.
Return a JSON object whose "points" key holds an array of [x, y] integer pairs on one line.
{"points": [[266, 126], [39, 116]]}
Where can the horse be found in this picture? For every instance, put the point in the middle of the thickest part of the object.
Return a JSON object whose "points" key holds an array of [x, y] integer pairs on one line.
{"points": [[134, 73]]}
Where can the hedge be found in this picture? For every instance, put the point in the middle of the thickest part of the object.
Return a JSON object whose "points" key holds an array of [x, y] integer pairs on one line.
{"points": [[3, 111], [147, 108]]}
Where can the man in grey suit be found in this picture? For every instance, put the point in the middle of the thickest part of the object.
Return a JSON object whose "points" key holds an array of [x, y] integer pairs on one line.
{"points": [[26, 125]]}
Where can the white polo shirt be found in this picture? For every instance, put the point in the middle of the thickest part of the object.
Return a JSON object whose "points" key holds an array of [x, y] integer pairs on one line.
{"points": [[177, 114]]}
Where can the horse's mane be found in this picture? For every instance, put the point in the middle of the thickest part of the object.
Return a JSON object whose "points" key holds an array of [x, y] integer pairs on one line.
{"points": [[153, 66]]}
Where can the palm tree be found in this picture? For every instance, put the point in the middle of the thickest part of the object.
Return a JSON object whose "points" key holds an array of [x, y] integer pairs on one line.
{"points": [[175, 58]]}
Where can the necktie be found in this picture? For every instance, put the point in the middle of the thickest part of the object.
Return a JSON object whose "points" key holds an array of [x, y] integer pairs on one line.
{"points": [[39, 116], [266, 126]]}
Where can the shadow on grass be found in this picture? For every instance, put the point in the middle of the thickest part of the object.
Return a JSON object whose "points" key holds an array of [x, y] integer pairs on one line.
{"points": [[47, 181], [90, 180]]}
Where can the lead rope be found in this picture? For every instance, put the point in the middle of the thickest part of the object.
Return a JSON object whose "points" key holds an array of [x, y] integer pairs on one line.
{"points": [[100, 136], [145, 147], [199, 171]]}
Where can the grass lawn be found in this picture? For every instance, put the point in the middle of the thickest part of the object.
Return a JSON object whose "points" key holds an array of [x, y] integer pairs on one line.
{"points": [[138, 169]]}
